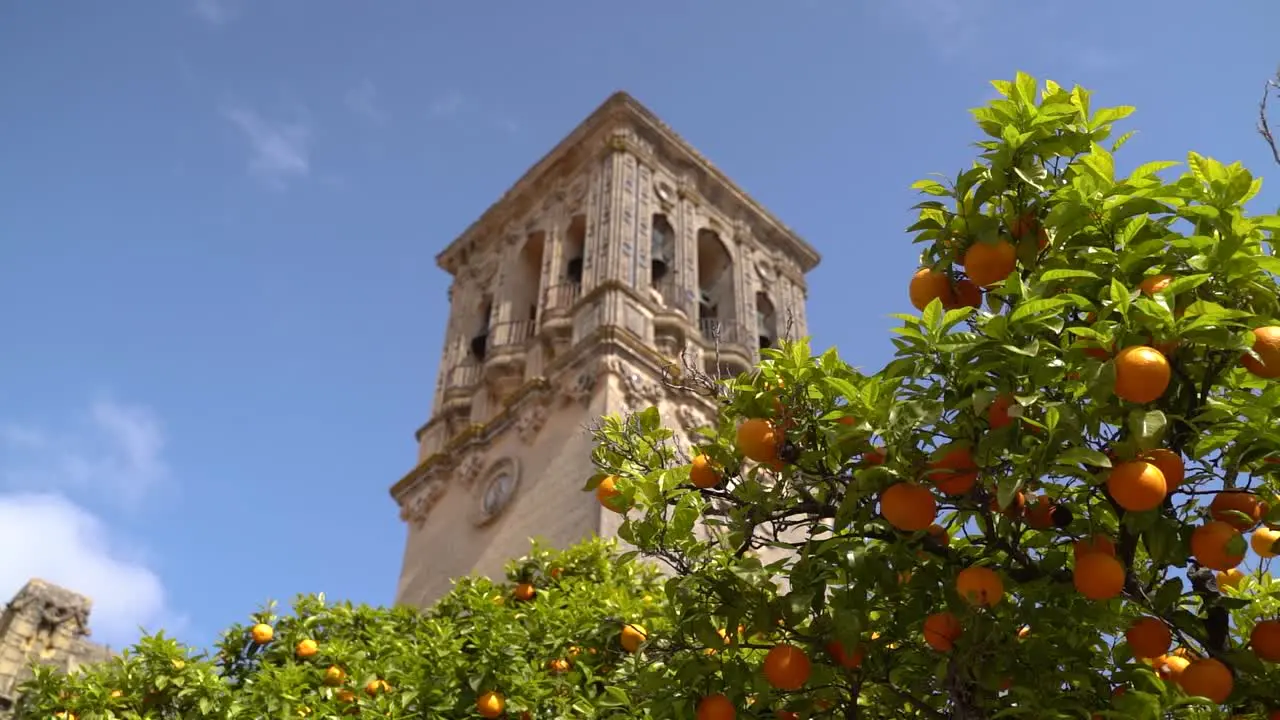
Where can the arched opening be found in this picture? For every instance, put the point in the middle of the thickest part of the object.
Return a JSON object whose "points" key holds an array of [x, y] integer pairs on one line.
{"points": [[766, 321], [527, 279], [715, 283], [662, 249], [575, 247], [480, 336]]}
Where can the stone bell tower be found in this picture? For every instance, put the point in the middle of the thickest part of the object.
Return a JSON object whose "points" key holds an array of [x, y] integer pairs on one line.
{"points": [[615, 253]]}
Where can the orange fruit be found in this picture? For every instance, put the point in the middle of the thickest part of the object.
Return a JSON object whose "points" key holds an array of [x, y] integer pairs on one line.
{"points": [[631, 638], [716, 707], [1137, 485], [490, 704], [1099, 576], [1022, 225], [941, 630], [1266, 343], [786, 667], [558, 666], [1265, 640], [1170, 667], [1016, 505], [850, 660], [1148, 638], [989, 263], [939, 534], [1142, 374], [1095, 544], [334, 676], [262, 633], [1153, 284], [1170, 465], [955, 473], [998, 412], [702, 473], [928, 284], [1263, 542], [1209, 678], [346, 696], [524, 591], [1024, 632], [908, 507], [980, 586], [874, 456], [966, 294], [373, 687], [609, 496], [1230, 578], [759, 440], [1039, 513], [1227, 503], [1209, 545], [306, 648]]}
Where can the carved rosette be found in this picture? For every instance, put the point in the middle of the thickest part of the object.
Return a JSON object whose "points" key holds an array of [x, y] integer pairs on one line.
{"points": [[580, 387], [639, 392], [424, 497], [530, 422]]}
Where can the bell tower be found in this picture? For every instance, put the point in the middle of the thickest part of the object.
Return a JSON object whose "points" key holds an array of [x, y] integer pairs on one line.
{"points": [[617, 252]]}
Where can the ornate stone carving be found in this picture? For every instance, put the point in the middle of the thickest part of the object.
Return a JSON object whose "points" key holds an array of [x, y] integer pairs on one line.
{"points": [[639, 392], [690, 419], [502, 481], [530, 422], [53, 609], [419, 504], [579, 387], [468, 470]]}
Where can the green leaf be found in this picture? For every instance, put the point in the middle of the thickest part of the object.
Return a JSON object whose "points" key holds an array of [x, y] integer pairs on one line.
{"points": [[1106, 116], [1148, 427], [1025, 89], [1101, 163], [1066, 274], [1037, 307], [1083, 456], [931, 187]]}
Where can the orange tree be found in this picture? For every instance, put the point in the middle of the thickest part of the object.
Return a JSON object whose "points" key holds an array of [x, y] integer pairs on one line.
{"points": [[1057, 501], [549, 643]]}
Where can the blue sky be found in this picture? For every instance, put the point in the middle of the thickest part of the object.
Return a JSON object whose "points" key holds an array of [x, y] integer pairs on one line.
{"points": [[218, 220]]}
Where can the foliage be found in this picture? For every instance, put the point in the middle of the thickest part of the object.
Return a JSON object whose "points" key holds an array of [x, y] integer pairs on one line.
{"points": [[1011, 398], [435, 664]]}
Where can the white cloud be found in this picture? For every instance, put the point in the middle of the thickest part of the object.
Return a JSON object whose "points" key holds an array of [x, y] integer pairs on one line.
{"points": [[70, 547], [114, 450], [279, 151], [216, 12], [363, 101]]}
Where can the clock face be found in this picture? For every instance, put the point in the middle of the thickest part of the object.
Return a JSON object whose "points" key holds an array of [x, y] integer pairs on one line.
{"points": [[498, 494], [663, 192], [763, 270]]}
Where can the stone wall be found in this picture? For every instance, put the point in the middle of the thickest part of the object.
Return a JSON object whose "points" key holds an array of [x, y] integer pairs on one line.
{"points": [[48, 624]]}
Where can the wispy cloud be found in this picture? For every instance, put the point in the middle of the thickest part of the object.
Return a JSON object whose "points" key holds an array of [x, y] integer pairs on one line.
{"points": [[112, 450], [449, 104], [216, 12], [279, 152], [363, 101]]}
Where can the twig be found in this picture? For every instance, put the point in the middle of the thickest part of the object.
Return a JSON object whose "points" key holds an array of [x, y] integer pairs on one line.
{"points": [[1264, 129]]}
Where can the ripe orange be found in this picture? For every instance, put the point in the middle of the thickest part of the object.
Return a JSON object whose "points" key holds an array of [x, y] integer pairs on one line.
{"points": [[966, 294], [346, 696], [1024, 632], [928, 284], [334, 676], [490, 704], [850, 660], [989, 263], [1265, 640], [759, 440], [558, 666], [1209, 545], [1170, 464], [1227, 503], [941, 630], [939, 534], [874, 456], [716, 707], [955, 473], [1098, 576], [1153, 284], [1170, 667], [998, 412], [980, 586], [908, 507], [306, 648], [1263, 542], [1209, 678], [786, 667], [1094, 544], [1142, 374], [1017, 504], [524, 591], [1148, 637], [702, 473], [609, 496], [1137, 485], [373, 687], [262, 633], [1022, 225], [1039, 514], [1266, 343], [631, 638], [1230, 578]]}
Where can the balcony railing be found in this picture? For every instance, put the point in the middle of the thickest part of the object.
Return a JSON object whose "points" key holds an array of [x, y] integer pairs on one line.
{"points": [[727, 332], [562, 297], [463, 375], [510, 333]]}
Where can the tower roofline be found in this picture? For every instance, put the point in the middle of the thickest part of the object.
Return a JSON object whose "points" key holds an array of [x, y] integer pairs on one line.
{"points": [[620, 106]]}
